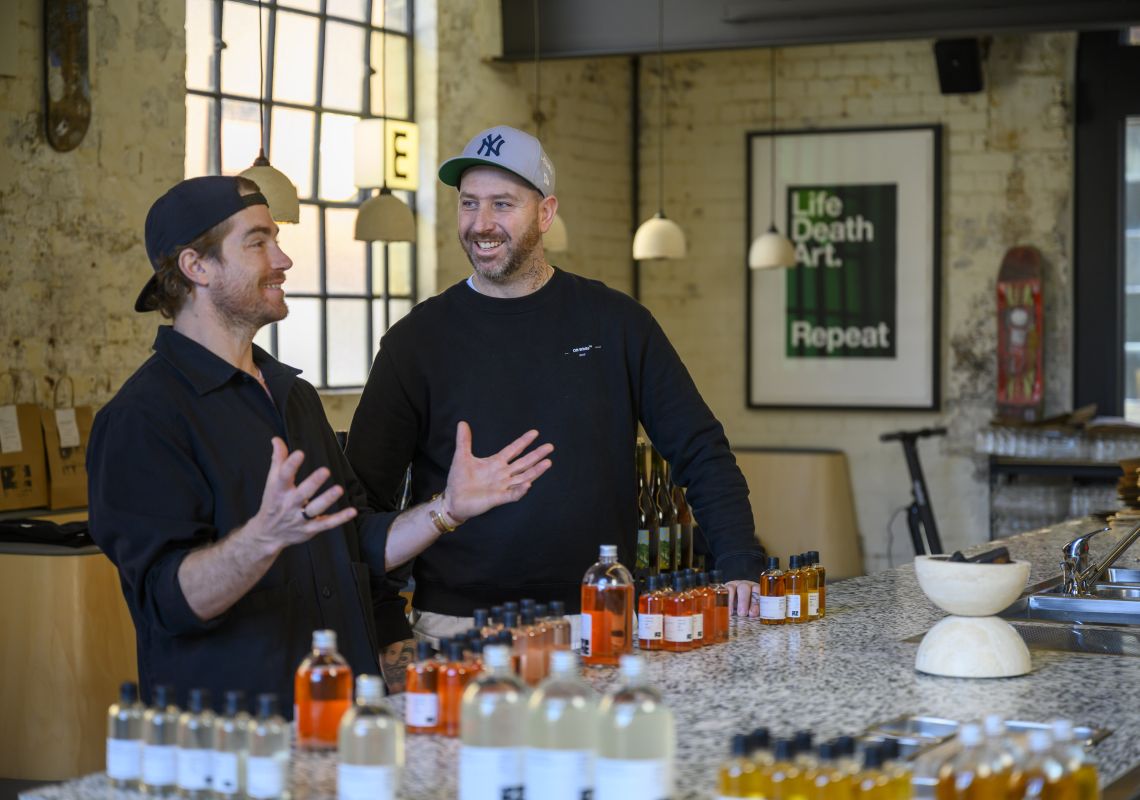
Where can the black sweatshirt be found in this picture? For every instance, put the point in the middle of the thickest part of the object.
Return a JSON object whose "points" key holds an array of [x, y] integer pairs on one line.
{"points": [[582, 364]]}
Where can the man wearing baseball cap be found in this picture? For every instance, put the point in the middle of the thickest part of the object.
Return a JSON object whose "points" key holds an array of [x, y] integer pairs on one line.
{"points": [[218, 488], [521, 342]]}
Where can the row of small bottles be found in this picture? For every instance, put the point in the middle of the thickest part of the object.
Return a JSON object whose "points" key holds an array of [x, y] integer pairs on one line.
{"points": [[435, 684], [665, 524], [560, 742], [789, 769], [682, 611], [796, 596], [990, 763]]}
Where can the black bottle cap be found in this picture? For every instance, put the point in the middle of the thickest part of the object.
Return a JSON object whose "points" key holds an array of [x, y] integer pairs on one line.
{"points": [[846, 745], [128, 693], [476, 646], [266, 705], [715, 575], [541, 610], [423, 651], [199, 701], [803, 741], [557, 608], [889, 748], [444, 643], [678, 583], [759, 738], [235, 702], [455, 650], [739, 747], [481, 615], [496, 613], [795, 562], [473, 633], [163, 696], [505, 637], [702, 579], [528, 615], [827, 751], [652, 583], [773, 562], [784, 749], [527, 602], [814, 556], [872, 757]]}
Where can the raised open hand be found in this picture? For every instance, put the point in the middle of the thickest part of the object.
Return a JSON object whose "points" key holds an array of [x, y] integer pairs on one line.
{"points": [[292, 513], [476, 485]]}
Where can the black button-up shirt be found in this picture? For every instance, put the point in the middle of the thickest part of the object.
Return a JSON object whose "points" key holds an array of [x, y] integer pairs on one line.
{"points": [[177, 460]]}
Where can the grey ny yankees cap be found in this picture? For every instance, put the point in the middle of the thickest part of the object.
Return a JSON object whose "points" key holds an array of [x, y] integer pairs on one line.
{"points": [[506, 148]]}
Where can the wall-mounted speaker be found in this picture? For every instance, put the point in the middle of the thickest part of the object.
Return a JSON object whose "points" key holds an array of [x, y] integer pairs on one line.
{"points": [[959, 65]]}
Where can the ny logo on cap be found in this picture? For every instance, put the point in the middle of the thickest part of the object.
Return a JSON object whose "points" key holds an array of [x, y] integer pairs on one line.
{"points": [[492, 143]]}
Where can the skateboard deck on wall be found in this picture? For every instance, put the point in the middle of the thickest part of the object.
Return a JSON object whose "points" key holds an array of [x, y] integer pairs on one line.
{"points": [[67, 85], [1020, 374]]}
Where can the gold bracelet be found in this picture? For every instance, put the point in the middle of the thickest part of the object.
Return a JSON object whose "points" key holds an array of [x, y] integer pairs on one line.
{"points": [[437, 520], [449, 522]]}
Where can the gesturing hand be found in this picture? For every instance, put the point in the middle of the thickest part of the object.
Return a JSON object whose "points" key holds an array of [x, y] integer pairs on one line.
{"points": [[744, 598], [476, 485], [290, 513]]}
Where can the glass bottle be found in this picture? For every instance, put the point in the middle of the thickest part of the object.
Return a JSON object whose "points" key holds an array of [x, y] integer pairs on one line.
{"points": [[637, 740], [125, 738], [873, 783], [1076, 760], [795, 592], [648, 558], [231, 746], [453, 679], [494, 731], [828, 781], [421, 704], [322, 690], [666, 514], [697, 606], [678, 611], [1044, 777], [607, 610], [561, 734], [267, 766], [896, 770], [1003, 754], [707, 597], [811, 585], [736, 773], [969, 773], [531, 645], [494, 622], [784, 776], [721, 612], [559, 626], [684, 529], [196, 747], [370, 746], [773, 608], [821, 575], [650, 616], [160, 743]]}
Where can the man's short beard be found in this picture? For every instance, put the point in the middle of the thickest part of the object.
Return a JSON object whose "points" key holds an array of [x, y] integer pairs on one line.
{"points": [[521, 256]]}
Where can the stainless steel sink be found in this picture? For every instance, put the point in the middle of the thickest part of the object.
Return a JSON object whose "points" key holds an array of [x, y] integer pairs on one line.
{"points": [[1116, 606], [1122, 575]]}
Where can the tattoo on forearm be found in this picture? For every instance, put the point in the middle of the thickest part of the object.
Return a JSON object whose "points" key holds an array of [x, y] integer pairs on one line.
{"points": [[394, 664]]}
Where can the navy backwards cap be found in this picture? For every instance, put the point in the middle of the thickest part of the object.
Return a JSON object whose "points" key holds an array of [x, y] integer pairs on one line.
{"points": [[184, 213], [506, 148]]}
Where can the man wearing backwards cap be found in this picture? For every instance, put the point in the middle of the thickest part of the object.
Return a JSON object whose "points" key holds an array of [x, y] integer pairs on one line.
{"points": [[217, 486], [523, 343]]}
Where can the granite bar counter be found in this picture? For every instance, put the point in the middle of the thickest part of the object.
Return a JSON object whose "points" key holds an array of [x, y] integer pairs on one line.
{"points": [[835, 676]]}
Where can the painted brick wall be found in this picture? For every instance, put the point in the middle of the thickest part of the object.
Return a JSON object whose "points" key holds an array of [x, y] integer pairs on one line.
{"points": [[71, 251]]}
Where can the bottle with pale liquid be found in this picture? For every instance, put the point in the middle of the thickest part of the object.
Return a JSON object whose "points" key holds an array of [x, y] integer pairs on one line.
{"points": [[607, 610], [1076, 760], [125, 738], [370, 746], [637, 740], [559, 626], [493, 733], [231, 746], [562, 719], [196, 747], [160, 743], [322, 692], [736, 775], [267, 766]]}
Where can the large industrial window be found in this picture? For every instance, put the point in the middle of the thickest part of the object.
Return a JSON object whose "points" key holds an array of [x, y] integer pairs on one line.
{"points": [[323, 72]]}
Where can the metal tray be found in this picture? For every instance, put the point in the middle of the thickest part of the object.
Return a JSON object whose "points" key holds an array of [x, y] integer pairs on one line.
{"points": [[933, 730]]}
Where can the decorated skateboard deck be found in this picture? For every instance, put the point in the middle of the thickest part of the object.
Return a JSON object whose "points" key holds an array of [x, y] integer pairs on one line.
{"points": [[1020, 375]]}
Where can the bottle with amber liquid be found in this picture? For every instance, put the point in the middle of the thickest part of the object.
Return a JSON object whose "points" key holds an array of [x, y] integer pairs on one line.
{"points": [[971, 773], [322, 692], [651, 616], [421, 704], [795, 591], [872, 782], [811, 583], [708, 607], [531, 645], [678, 611], [607, 610], [784, 777], [821, 579], [773, 608], [828, 780], [648, 557], [666, 515], [736, 774], [1043, 776], [1076, 760], [559, 626], [453, 679], [721, 611], [697, 608]]}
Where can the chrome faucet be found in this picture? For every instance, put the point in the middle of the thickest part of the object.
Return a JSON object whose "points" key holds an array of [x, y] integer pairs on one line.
{"points": [[1078, 578]]}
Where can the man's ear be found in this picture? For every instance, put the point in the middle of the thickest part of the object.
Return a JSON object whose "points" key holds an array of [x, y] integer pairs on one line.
{"points": [[546, 211], [190, 263]]}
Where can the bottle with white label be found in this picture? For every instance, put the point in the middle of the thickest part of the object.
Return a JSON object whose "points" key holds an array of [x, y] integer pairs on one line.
{"points": [[160, 744], [421, 700], [370, 744], [231, 746], [636, 740], [773, 604], [795, 591], [562, 733], [196, 747], [493, 731], [125, 737], [267, 767], [651, 616]]}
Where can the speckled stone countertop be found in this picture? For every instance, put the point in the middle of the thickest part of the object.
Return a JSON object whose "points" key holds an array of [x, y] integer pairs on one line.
{"points": [[834, 676]]}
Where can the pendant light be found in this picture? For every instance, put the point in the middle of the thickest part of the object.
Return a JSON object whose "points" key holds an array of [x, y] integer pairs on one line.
{"points": [[771, 250], [557, 238], [659, 236], [279, 191], [383, 217]]}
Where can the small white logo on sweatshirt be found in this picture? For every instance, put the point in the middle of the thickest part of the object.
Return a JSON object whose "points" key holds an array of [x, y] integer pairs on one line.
{"points": [[581, 351]]}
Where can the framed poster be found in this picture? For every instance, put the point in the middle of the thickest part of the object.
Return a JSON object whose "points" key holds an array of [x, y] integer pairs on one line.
{"points": [[855, 324]]}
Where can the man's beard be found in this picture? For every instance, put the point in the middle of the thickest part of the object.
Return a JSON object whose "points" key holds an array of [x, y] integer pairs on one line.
{"points": [[519, 254], [242, 308]]}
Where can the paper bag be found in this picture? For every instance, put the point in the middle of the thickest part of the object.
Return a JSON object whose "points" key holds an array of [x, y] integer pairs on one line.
{"points": [[66, 433], [23, 472]]}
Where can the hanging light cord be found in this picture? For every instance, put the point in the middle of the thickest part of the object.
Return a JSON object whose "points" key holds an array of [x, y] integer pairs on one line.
{"points": [[661, 107], [537, 83], [772, 136], [261, 79]]}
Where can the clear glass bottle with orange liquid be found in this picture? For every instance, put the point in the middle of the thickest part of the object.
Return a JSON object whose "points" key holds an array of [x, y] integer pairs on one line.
{"points": [[607, 610], [453, 679], [971, 773], [784, 776], [696, 607], [1044, 776], [821, 577], [531, 646], [678, 611], [721, 612], [811, 586], [559, 626], [773, 607], [322, 692], [736, 773], [1076, 760], [708, 608], [421, 705], [651, 616], [795, 592]]}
